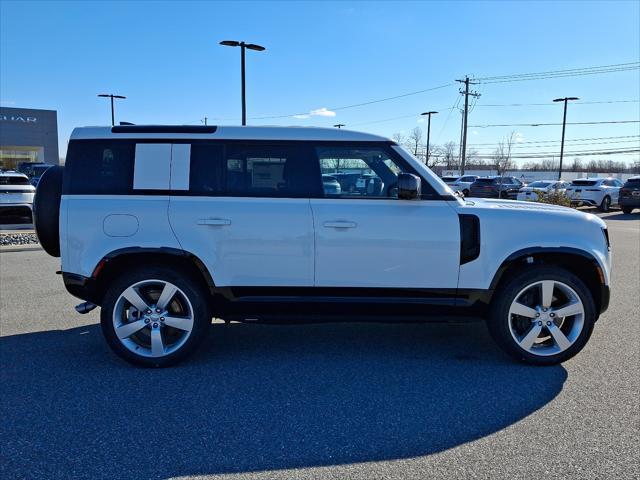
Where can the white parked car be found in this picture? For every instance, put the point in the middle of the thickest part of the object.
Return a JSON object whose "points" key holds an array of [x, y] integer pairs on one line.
{"points": [[16, 194], [165, 227], [463, 184], [540, 188], [596, 192]]}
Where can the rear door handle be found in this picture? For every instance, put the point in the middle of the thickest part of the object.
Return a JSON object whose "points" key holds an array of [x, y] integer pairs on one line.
{"points": [[340, 224], [214, 221]]}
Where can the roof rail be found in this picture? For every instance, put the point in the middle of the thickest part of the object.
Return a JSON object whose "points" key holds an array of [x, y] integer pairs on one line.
{"points": [[163, 129]]}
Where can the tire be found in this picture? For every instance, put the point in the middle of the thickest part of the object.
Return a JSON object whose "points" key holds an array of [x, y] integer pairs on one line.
{"points": [[465, 192], [46, 210], [513, 332], [187, 308], [605, 206], [627, 210]]}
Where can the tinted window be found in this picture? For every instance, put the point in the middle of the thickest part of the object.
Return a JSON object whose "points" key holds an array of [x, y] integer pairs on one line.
{"points": [[374, 168], [205, 172], [467, 179], [584, 183], [540, 184], [486, 180], [14, 180], [270, 171], [99, 167], [633, 183]]}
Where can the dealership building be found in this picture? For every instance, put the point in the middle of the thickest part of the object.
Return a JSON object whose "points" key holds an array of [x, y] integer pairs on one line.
{"points": [[28, 135]]}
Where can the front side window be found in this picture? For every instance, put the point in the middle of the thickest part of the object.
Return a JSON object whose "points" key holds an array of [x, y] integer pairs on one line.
{"points": [[374, 171]]}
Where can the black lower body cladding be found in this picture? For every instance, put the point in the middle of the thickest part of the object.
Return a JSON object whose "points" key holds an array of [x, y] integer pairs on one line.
{"points": [[46, 210]]}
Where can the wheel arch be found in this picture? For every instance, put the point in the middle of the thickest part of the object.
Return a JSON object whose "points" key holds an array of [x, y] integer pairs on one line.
{"points": [[118, 261], [579, 262]]}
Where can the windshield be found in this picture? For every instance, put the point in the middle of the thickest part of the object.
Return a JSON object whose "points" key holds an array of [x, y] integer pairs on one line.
{"points": [[14, 180], [584, 183], [540, 184]]}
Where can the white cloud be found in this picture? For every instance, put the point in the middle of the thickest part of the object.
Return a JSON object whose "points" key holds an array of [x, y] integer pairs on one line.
{"points": [[301, 116], [421, 120], [322, 112], [475, 132], [519, 137]]}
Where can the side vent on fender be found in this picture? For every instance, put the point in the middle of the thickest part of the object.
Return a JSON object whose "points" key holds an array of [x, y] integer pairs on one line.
{"points": [[469, 238]]}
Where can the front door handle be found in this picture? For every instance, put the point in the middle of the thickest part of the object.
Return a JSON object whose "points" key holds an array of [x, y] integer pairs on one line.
{"points": [[340, 224], [214, 221]]}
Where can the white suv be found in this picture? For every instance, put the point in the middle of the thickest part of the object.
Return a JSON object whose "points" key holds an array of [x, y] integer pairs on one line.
{"points": [[167, 227], [16, 194], [595, 192]]}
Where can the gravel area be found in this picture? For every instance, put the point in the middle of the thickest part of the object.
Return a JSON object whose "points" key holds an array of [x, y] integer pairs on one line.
{"points": [[18, 238]]}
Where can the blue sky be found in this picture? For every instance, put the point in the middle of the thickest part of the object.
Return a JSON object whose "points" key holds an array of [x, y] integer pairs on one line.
{"points": [[165, 57]]}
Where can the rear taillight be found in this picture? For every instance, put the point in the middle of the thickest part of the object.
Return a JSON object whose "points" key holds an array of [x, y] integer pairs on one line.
{"points": [[624, 191]]}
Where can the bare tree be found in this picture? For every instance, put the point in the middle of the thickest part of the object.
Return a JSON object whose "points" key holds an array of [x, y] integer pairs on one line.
{"points": [[502, 155], [449, 155], [399, 138], [414, 142]]}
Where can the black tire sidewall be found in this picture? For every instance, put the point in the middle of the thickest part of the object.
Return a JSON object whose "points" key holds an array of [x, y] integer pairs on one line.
{"points": [[498, 322], [46, 210], [606, 204], [196, 294]]}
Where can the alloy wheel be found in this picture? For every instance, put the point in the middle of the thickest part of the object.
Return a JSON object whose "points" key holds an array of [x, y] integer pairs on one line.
{"points": [[546, 317], [153, 318]]}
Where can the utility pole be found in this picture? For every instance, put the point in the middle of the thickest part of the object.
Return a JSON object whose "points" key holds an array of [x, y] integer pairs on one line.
{"points": [[466, 94], [339, 125], [205, 120], [564, 123], [111, 96]]}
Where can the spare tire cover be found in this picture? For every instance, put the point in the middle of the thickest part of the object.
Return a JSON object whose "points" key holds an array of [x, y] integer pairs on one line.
{"points": [[46, 210]]}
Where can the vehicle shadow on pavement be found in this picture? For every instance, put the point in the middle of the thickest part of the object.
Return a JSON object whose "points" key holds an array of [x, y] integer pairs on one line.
{"points": [[624, 216], [258, 398]]}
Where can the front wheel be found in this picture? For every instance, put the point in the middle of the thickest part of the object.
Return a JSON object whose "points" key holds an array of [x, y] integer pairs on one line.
{"points": [[543, 316], [154, 316], [606, 204]]}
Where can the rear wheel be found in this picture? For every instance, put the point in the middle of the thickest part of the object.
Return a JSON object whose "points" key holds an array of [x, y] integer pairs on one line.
{"points": [[465, 192], [627, 210], [155, 316], [543, 316], [606, 204]]}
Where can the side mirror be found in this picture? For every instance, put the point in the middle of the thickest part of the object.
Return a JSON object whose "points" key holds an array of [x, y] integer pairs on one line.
{"points": [[409, 186]]}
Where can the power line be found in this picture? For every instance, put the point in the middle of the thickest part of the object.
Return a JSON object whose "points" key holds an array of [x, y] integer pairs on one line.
{"points": [[562, 73], [637, 141], [361, 104], [552, 124], [573, 140]]}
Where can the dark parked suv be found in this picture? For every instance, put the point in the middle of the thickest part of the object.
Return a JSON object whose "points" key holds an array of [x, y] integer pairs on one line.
{"points": [[496, 187], [630, 195]]}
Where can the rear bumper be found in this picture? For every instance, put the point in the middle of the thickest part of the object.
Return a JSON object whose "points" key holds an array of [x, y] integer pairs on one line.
{"points": [[585, 201], [605, 295], [629, 202], [81, 287]]}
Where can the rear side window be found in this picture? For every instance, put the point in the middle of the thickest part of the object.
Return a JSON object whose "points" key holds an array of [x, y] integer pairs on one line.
{"points": [[270, 171], [486, 180], [205, 174], [633, 183], [96, 167], [584, 183]]}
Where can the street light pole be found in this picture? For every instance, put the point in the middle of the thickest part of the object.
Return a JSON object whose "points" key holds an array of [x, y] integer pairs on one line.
{"points": [[564, 124], [111, 96], [339, 125], [243, 46], [428, 114]]}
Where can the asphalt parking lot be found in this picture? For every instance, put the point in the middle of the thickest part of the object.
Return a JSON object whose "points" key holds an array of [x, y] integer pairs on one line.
{"points": [[357, 401]]}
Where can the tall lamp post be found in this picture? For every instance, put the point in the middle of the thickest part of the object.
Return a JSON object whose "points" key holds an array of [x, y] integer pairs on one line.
{"points": [[243, 46], [111, 96], [428, 114], [339, 125], [564, 124]]}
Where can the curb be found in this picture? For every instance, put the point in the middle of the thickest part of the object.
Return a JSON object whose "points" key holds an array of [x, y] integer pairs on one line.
{"points": [[29, 247]]}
